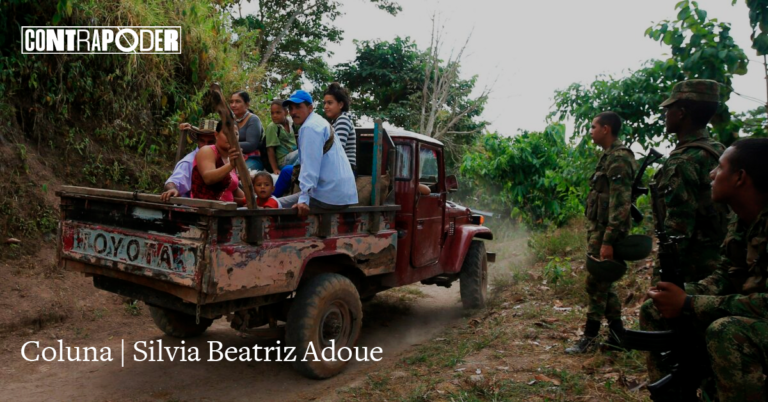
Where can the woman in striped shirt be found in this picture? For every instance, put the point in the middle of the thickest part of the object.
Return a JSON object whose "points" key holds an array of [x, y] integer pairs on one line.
{"points": [[336, 107]]}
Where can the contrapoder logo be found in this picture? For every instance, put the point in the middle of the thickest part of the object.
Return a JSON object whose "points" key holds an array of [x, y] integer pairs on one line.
{"points": [[101, 40]]}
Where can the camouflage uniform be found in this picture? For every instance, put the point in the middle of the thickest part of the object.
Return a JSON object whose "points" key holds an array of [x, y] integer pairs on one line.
{"points": [[730, 310], [607, 210], [688, 211], [687, 208]]}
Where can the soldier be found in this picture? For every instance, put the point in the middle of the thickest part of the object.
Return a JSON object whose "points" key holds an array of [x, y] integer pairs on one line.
{"points": [[690, 214], [730, 306], [608, 206], [683, 180]]}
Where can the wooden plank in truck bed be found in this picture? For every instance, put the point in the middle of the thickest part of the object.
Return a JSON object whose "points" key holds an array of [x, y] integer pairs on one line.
{"points": [[136, 196]]}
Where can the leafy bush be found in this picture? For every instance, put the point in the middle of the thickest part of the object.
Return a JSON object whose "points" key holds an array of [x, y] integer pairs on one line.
{"points": [[558, 271], [536, 176]]}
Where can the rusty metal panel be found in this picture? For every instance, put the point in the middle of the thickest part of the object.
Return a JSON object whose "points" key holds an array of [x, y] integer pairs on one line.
{"points": [[289, 244], [171, 259]]}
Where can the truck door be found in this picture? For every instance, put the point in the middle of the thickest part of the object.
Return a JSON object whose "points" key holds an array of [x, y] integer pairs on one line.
{"points": [[428, 210]]}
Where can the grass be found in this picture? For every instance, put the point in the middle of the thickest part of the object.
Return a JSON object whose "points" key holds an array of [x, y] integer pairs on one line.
{"points": [[132, 308], [405, 293], [99, 313], [561, 242], [517, 342]]}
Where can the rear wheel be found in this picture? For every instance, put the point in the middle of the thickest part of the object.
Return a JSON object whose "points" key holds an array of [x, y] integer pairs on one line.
{"points": [[473, 279], [178, 324], [326, 311]]}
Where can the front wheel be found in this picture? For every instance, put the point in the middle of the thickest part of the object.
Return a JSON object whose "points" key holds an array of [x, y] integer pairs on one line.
{"points": [[473, 279], [178, 324], [326, 311]]}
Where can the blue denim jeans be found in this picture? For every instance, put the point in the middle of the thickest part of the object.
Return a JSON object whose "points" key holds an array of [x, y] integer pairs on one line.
{"points": [[254, 163], [283, 181]]}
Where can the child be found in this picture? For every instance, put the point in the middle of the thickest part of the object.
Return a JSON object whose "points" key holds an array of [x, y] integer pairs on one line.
{"points": [[281, 143], [264, 185]]}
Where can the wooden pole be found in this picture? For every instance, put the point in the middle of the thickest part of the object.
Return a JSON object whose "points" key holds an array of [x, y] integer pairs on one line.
{"points": [[182, 144], [228, 127], [376, 168], [765, 65]]}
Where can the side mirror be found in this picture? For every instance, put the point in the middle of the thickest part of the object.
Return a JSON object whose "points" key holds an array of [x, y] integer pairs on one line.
{"points": [[451, 183]]}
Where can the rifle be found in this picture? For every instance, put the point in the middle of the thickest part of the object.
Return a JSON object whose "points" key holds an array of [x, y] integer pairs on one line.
{"points": [[637, 190], [675, 345], [669, 255]]}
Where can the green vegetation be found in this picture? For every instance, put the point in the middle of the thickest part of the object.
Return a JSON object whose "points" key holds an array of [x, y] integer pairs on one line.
{"points": [[416, 90], [110, 120], [294, 36], [132, 308], [700, 47], [537, 177], [513, 349], [106, 120], [758, 18]]}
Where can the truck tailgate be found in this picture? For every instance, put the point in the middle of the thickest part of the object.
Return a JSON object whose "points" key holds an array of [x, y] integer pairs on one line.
{"points": [[160, 256]]}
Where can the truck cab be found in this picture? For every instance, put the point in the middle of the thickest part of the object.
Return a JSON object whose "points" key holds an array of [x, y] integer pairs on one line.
{"points": [[434, 234]]}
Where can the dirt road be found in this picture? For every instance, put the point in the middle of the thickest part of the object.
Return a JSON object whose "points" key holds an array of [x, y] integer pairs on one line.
{"points": [[387, 325]]}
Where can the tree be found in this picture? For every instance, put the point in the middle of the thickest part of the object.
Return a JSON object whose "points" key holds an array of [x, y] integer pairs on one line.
{"points": [[445, 99], [383, 79], [636, 98], [753, 122], [758, 18], [294, 35], [704, 49], [701, 48], [415, 90]]}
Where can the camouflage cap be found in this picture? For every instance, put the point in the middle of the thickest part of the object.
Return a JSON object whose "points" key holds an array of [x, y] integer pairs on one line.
{"points": [[697, 90]]}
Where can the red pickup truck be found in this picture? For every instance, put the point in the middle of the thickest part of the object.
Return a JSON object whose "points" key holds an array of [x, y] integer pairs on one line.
{"points": [[193, 261]]}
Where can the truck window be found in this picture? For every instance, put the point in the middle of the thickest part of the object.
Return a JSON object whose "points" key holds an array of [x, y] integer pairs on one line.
{"points": [[403, 164], [428, 169]]}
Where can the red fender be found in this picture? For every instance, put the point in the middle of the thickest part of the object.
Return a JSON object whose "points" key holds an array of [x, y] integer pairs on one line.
{"points": [[460, 245]]}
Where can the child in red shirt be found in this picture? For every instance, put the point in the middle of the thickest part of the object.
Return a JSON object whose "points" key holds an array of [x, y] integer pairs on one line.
{"points": [[264, 186]]}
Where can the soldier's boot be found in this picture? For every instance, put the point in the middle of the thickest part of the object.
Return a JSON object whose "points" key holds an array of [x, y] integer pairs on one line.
{"points": [[616, 334], [588, 342]]}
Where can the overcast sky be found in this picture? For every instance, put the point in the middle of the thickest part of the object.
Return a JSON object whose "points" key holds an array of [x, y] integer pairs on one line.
{"points": [[532, 48]]}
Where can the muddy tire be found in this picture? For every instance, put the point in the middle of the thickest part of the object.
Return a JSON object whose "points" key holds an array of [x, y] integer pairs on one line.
{"points": [[473, 278], [326, 308], [178, 324]]}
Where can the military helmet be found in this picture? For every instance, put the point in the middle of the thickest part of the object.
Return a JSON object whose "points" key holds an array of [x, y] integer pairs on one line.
{"points": [[606, 270], [633, 248], [697, 90]]}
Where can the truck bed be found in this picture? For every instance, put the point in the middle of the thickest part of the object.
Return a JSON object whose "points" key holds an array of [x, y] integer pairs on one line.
{"points": [[207, 251]]}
